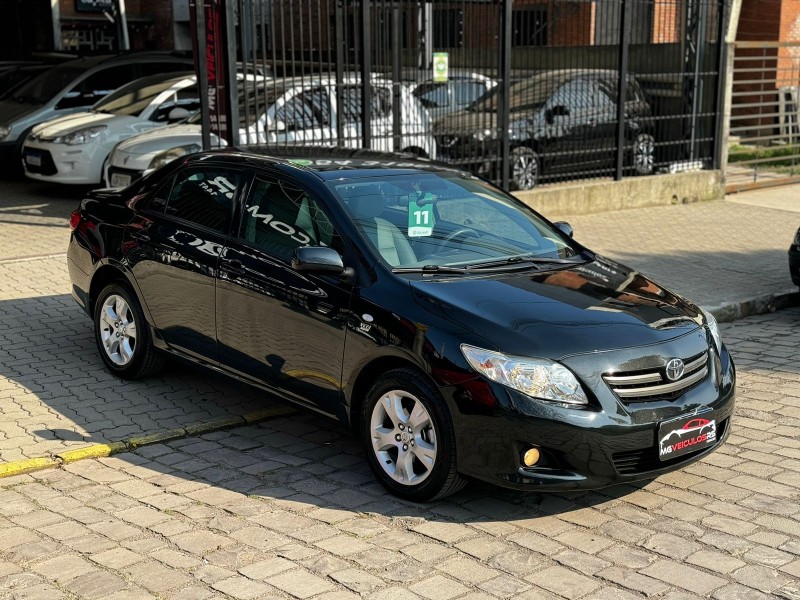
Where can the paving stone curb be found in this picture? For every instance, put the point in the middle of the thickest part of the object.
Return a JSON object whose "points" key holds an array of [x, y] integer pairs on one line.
{"points": [[29, 465], [733, 311]]}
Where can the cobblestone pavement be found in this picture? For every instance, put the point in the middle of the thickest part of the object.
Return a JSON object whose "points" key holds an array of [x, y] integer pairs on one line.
{"points": [[289, 509]]}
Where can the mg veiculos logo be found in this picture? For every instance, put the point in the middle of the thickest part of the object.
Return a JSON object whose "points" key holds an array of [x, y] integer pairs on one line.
{"points": [[674, 369]]}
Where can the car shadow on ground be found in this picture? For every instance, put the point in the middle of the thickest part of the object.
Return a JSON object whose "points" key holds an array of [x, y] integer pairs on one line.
{"points": [[58, 395]]}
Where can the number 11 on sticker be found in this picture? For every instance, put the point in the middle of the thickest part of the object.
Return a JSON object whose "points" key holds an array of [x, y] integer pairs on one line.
{"points": [[420, 219]]}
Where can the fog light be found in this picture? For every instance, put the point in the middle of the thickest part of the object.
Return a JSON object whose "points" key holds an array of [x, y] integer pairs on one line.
{"points": [[531, 457]]}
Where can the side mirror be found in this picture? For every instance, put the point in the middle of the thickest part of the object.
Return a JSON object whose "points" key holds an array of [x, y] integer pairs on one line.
{"points": [[279, 126], [178, 114], [320, 260], [564, 227], [548, 116]]}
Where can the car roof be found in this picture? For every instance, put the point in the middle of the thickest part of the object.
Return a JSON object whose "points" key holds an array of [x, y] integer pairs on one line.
{"points": [[329, 163], [92, 61]]}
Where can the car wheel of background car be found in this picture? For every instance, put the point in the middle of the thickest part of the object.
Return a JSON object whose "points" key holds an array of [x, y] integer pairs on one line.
{"points": [[409, 437], [644, 154], [524, 169], [122, 335]]}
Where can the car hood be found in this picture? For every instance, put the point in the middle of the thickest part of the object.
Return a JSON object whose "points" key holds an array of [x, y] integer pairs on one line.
{"points": [[595, 307], [162, 139], [77, 121], [465, 121], [10, 111]]}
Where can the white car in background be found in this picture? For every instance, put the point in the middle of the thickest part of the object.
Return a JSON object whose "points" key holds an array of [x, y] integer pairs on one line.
{"points": [[73, 149], [293, 111]]}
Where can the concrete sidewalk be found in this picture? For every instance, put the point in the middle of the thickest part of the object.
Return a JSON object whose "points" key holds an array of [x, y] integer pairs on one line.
{"points": [[729, 256]]}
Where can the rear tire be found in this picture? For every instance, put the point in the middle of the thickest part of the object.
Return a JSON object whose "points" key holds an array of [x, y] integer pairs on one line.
{"points": [[409, 437], [123, 336]]}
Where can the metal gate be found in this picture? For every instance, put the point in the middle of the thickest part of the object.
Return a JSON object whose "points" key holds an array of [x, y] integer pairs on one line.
{"points": [[523, 92], [765, 115]]}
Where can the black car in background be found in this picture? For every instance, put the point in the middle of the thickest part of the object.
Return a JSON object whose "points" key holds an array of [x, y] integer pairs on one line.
{"points": [[461, 334], [561, 122], [794, 259]]}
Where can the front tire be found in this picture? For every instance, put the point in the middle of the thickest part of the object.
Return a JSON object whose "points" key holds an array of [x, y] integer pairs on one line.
{"points": [[122, 335], [409, 437], [525, 166]]}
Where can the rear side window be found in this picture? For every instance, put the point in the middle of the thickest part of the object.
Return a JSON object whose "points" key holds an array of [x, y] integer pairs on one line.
{"points": [[202, 196], [351, 103], [466, 92]]}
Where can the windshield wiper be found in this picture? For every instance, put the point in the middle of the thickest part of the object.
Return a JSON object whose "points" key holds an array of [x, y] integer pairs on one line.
{"points": [[442, 269], [523, 261]]}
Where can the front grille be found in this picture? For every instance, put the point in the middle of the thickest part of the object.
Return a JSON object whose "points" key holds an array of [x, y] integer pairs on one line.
{"points": [[632, 462], [652, 384], [48, 167]]}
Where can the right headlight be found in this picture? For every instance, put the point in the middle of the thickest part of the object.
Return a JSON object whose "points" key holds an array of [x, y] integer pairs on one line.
{"points": [[713, 328], [166, 157], [536, 377]]}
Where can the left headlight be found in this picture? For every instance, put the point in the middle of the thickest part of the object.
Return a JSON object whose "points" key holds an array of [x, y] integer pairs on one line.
{"points": [[713, 327], [166, 157], [535, 377], [82, 136], [4, 131]]}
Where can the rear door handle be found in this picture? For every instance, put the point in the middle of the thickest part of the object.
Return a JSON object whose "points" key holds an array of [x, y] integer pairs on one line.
{"points": [[142, 237], [233, 266]]}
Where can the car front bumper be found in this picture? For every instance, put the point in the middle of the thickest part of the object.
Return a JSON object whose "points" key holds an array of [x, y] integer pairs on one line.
{"points": [[60, 163], [608, 443]]}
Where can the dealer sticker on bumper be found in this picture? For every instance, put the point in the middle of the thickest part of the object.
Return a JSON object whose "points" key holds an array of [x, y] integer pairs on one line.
{"points": [[685, 435]]}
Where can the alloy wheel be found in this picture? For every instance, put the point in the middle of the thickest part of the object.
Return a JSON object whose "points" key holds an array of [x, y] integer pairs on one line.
{"points": [[118, 330], [644, 155], [525, 169], [403, 437]]}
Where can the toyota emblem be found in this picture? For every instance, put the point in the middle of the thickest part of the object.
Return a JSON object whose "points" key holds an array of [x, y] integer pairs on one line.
{"points": [[674, 369]]}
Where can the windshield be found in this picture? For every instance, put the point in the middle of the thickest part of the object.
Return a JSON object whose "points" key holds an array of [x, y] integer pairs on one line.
{"points": [[436, 220], [533, 92], [132, 99], [44, 88]]}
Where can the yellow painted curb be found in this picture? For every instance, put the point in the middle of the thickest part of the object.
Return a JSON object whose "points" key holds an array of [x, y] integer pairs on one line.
{"points": [[267, 413], [158, 437], [28, 465], [93, 451], [20, 467], [213, 425]]}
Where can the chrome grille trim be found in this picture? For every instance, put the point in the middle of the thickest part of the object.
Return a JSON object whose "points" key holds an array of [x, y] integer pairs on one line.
{"points": [[653, 383], [631, 379], [667, 388]]}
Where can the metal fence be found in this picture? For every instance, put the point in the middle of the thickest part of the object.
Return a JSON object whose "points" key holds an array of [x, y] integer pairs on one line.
{"points": [[765, 115], [534, 91]]}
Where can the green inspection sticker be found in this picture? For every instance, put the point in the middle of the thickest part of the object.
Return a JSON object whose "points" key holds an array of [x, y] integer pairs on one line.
{"points": [[420, 218]]}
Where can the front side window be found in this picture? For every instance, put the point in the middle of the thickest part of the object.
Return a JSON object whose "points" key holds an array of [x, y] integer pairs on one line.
{"points": [[203, 196], [425, 220], [279, 218]]}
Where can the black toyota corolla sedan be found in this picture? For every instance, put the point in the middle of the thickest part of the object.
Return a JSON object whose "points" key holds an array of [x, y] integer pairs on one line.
{"points": [[461, 334]]}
